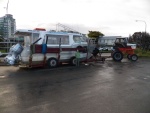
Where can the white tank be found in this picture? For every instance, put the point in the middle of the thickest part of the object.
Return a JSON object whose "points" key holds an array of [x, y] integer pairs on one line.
{"points": [[13, 55], [17, 49]]}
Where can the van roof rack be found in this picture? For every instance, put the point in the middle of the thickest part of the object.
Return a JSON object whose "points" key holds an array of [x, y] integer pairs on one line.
{"points": [[66, 29]]}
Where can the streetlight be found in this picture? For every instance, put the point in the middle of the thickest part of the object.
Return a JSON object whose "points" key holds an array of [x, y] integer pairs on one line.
{"points": [[145, 31], [144, 22]]}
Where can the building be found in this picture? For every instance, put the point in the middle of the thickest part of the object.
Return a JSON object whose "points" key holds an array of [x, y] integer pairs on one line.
{"points": [[7, 26], [107, 41]]}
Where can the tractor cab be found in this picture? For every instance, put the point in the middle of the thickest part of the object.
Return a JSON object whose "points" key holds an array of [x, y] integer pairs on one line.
{"points": [[121, 42]]}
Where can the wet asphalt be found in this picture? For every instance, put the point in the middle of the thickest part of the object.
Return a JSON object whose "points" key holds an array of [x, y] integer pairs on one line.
{"points": [[109, 87]]}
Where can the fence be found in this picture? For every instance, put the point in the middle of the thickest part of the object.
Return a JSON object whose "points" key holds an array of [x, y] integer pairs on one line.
{"points": [[5, 45]]}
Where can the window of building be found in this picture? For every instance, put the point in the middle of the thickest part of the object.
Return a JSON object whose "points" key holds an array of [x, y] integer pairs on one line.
{"points": [[120, 40], [108, 40], [113, 40], [102, 40]]}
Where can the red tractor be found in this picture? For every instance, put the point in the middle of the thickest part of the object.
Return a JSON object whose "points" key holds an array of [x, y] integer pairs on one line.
{"points": [[122, 48]]}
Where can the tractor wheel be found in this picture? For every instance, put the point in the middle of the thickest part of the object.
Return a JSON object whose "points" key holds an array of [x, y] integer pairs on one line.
{"points": [[129, 56], [134, 57], [117, 56], [52, 62], [73, 61]]}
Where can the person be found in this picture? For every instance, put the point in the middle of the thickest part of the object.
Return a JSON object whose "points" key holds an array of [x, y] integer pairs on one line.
{"points": [[77, 58], [95, 52]]}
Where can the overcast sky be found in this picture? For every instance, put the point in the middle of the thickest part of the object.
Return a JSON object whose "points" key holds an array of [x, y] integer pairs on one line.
{"points": [[111, 17]]}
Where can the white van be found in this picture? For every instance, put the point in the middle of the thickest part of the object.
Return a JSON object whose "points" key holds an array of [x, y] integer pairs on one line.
{"points": [[49, 47]]}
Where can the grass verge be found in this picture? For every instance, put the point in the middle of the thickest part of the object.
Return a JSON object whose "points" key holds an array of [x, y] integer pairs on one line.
{"points": [[142, 53]]}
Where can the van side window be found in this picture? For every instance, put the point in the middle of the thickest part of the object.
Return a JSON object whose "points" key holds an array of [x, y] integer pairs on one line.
{"points": [[55, 39], [65, 40]]}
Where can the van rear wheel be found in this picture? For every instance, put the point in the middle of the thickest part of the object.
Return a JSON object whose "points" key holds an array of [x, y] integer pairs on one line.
{"points": [[52, 62]]}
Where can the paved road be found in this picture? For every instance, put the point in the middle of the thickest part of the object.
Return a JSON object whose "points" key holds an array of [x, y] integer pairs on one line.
{"points": [[109, 87]]}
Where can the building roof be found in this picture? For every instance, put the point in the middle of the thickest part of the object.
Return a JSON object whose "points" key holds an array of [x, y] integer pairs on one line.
{"points": [[110, 37]]}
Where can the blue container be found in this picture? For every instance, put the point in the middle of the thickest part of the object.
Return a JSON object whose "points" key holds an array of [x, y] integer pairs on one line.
{"points": [[44, 48]]}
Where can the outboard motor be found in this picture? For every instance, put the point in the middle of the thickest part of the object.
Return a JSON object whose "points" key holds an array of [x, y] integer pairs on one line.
{"points": [[13, 55]]}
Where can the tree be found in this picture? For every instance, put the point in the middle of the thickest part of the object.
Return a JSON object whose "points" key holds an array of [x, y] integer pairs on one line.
{"points": [[95, 34], [142, 39]]}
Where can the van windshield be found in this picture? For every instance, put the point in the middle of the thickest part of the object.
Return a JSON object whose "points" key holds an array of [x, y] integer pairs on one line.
{"points": [[78, 39]]}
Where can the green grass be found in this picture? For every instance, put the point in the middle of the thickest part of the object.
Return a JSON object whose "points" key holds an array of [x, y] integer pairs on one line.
{"points": [[142, 53], [3, 51]]}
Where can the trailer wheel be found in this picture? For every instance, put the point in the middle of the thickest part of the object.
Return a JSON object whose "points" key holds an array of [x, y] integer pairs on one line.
{"points": [[73, 61], [129, 56], [117, 56], [112, 53], [52, 62], [134, 57]]}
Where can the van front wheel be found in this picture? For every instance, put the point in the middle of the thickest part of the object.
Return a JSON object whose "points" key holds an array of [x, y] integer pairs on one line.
{"points": [[73, 61]]}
